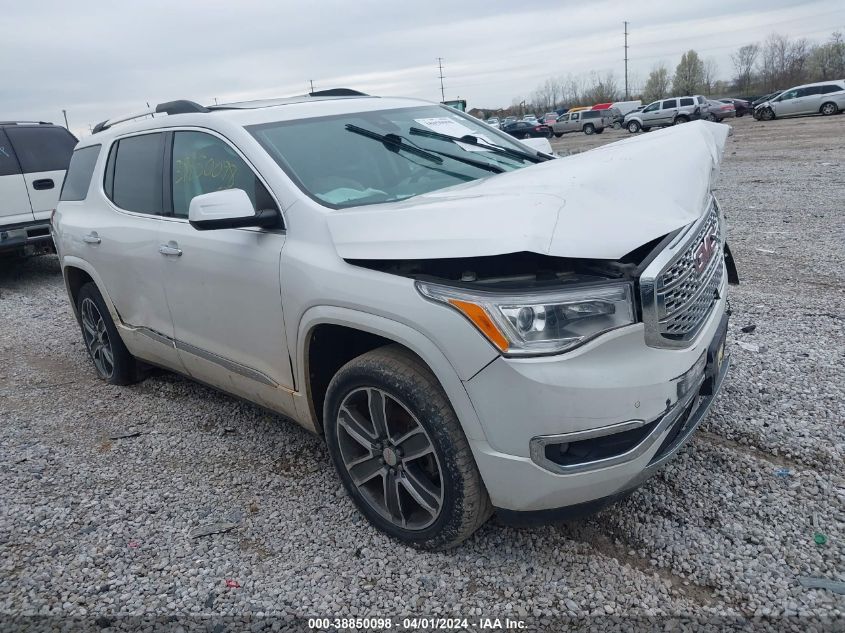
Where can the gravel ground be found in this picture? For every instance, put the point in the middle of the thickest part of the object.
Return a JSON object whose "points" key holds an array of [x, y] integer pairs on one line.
{"points": [[94, 524]]}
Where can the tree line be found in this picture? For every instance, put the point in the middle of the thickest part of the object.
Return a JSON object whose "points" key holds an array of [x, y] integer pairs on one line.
{"points": [[757, 68]]}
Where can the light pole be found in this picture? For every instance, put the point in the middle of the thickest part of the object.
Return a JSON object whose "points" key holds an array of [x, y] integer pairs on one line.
{"points": [[67, 127]]}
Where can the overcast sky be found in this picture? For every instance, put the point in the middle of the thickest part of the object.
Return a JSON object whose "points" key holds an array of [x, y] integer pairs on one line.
{"points": [[99, 60]]}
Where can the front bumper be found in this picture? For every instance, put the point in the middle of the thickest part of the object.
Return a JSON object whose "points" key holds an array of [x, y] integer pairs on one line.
{"points": [[611, 385]]}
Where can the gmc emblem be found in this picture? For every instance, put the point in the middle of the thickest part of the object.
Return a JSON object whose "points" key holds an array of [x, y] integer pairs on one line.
{"points": [[705, 250]]}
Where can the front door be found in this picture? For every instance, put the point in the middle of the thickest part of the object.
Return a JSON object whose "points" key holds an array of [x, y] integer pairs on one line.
{"points": [[651, 114], [224, 286], [787, 103]]}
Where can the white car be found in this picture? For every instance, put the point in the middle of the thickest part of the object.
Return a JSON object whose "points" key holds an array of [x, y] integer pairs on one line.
{"points": [[824, 97], [33, 159], [473, 326]]}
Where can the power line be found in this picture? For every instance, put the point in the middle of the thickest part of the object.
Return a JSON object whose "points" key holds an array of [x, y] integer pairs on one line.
{"points": [[440, 66]]}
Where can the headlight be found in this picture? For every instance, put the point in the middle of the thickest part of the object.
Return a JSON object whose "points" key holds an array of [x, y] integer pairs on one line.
{"points": [[525, 324]]}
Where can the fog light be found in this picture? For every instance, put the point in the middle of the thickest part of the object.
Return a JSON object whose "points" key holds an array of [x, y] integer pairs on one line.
{"points": [[692, 378]]}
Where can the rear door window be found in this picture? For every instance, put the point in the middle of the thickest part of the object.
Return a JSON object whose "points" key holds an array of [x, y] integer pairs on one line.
{"points": [[42, 148], [135, 173], [688, 101], [8, 161], [79, 173]]}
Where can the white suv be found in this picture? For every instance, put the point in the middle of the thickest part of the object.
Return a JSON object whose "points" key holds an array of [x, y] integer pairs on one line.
{"points": [[33, 159], [471, 325]]}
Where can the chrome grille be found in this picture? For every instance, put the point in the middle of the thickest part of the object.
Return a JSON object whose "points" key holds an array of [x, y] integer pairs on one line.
{"points": [[676, 297]]}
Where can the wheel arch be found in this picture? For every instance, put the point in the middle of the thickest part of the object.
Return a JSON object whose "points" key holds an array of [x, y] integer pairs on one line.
{"points": [[77, 272], [361, 332]]}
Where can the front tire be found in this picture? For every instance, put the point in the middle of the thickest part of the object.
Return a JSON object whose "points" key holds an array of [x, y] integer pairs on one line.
{"points": [[400, 451], [767, 115], [617, 125], [112, 361], [829, 108], [558, 134], [633, 127]]}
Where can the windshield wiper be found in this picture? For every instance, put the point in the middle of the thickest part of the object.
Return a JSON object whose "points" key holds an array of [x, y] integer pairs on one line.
{"points": [[474, 140], [394, 140]]}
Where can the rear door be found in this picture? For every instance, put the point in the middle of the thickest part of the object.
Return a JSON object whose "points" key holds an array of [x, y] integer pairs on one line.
{"points": [[809, 100], [44, 153], [14, 201]]}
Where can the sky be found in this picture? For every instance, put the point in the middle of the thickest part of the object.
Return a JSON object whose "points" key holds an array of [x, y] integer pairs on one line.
{"points": [[97, 60]]}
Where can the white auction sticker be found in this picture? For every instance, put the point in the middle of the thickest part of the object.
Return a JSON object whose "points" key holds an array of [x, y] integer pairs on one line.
{"points": [[451, 127]]}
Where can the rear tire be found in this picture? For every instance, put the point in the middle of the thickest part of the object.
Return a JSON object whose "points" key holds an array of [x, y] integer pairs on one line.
{"points": [[600, 130], [589, 129], [558, 134], [112, 361], [381, 408], [829, 108], [681, 119], [633, 127]]}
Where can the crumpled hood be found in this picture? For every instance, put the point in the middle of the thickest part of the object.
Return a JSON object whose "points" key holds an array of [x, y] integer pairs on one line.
{"points": [[600, 204]]}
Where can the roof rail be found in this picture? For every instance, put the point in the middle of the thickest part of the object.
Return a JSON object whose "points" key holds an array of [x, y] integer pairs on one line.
{"points": [[181, 106], [338, 92], [25, 123]]}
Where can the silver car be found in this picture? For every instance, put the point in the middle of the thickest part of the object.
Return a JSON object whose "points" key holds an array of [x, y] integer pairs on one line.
{"points": [[824, 97], [667, 112]]}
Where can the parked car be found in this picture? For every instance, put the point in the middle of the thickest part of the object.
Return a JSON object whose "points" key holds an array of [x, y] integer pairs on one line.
{"points": [[509, 119], [717, 111], [824, 97], [667, 112], [549, 118], [368, 279], [494, 121], [586, 121], [741, 106], [527, 129], [33, 159]]}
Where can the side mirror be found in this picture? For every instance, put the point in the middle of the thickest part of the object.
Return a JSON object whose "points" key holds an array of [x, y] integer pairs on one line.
{"points": [[228, 209]]}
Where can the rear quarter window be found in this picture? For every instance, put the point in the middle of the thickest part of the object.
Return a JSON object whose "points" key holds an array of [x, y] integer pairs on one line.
{"points": [[42, 148], [8, 161], [79, 173], [831, 88]]}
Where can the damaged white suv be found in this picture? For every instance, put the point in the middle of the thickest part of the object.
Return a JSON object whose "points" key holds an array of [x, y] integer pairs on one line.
{"points": [[473, 326]]}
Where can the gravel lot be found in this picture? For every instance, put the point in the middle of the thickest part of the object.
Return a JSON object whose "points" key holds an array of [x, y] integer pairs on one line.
{"points": [[93, 524]]}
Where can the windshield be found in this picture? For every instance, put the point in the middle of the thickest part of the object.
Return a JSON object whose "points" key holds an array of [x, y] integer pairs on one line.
{"points": [[371, 157]]}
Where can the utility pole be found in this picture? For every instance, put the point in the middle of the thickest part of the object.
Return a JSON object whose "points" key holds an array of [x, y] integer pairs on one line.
{"points": [[442, 91], [627, 96], [64, 112], [215, 100], [312, 84]]}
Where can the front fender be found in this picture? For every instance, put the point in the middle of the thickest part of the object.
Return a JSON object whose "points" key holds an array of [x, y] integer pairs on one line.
{"points": [[400, 333]]}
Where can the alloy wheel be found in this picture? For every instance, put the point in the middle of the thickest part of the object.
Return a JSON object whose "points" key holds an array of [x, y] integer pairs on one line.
{"points": [[390, 458], [828, 109], [97, 338]]}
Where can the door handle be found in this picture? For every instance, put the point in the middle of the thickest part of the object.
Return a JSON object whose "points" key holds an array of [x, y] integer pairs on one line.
{"points": [[171, 249], [92, 238], [43, 183]]}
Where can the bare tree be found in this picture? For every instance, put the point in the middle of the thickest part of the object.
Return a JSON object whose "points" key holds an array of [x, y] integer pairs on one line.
{"points": [[689, 75], [784, 63], [743, 61], [657, 84], [601, 89], [827, 61], [711, 69]]}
